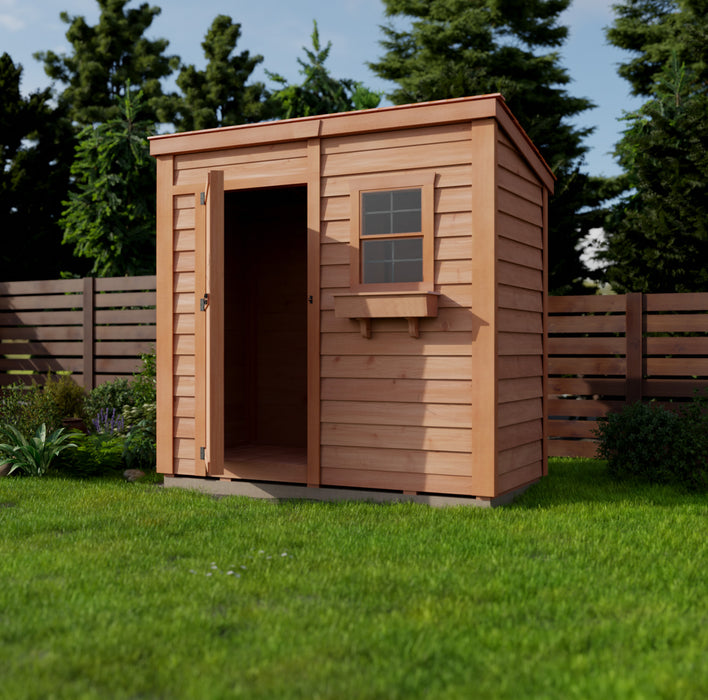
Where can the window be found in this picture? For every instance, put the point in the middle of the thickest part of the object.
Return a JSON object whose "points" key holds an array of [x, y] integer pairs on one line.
{"points": [[392, 233]]}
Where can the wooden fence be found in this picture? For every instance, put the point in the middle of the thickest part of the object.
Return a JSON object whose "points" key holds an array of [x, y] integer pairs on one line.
{"points": [[603, 351], [94, 328], [607, 351]]}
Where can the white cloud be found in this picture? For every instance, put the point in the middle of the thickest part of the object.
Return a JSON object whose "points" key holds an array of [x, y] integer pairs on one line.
{"points": [[11, 22]]}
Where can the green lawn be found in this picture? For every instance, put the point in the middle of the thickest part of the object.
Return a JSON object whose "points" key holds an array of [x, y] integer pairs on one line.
{"points": [[584, 588]]}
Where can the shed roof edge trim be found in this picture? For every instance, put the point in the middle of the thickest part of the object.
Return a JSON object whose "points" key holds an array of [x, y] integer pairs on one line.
{"points": [[302, 128]]}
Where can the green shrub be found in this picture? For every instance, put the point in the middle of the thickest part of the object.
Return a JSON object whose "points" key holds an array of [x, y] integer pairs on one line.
{"points": [[63, 397], [653, 443], [108, 401], [34, 456], [140, 444], [95, 455], [28, 407], [107, 397]]}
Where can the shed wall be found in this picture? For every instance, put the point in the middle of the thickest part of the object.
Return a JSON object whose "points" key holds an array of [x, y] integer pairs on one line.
{"points": [[520, 284], [394, 403]]}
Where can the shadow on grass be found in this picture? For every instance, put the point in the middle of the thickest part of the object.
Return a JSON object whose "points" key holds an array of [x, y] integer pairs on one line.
{"points": [[588, 481]]}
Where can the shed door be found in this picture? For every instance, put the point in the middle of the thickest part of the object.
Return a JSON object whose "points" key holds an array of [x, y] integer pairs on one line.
{"points": [[210, 313], [209, 327]]}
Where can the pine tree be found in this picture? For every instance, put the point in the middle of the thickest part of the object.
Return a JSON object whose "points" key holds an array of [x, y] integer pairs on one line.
{"points": [[35, 152], [657, 235], [319, 93], [110, 214], [440, 49], [218, 95], [107, 57], [656, 30]]}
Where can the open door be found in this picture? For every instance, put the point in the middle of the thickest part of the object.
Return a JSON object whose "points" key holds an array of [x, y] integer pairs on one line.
{"points": [[209, 327], [256, 362]]}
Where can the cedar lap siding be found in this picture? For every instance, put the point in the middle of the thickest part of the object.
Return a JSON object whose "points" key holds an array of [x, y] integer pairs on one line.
{"points": [[296, 371]]}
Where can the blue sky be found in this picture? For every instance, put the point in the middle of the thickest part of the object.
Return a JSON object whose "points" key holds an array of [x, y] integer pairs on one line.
{"points": [[278, 29]]}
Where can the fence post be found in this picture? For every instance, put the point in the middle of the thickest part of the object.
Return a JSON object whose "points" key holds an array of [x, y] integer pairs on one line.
{"points": [[88, 333], [634, 326]]}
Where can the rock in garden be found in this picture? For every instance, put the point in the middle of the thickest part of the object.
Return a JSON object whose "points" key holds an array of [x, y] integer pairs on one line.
{"points": [[133, 474]]}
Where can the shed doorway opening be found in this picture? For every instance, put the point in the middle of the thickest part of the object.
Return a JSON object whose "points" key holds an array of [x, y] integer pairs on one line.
{"points": [[265, 334]]}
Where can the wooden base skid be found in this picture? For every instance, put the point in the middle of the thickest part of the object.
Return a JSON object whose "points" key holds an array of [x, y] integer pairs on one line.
{"points": [[276, 491]]}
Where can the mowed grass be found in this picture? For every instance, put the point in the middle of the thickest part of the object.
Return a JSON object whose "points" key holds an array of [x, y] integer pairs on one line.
{"points": [[584, 588]]}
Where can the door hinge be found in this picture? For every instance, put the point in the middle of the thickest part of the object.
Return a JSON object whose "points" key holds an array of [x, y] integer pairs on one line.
{"points": [[204, 303], [202, 453], [202, 198]]}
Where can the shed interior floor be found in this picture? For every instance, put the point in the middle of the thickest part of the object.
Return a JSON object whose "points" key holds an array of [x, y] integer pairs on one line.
{"points": [[266, 463]]}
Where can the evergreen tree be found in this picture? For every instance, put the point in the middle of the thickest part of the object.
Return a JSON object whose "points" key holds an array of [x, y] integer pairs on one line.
{"points": [[110, 214], [319, 93], [218, 95], [657, 235], [656, 30], [35, 152], [107, 57], [454, 48]]}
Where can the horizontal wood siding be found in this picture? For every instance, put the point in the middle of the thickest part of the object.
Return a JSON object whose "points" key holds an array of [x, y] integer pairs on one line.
{"points": [[395, 410], [94, 329], [519, 255], [608, 351]]}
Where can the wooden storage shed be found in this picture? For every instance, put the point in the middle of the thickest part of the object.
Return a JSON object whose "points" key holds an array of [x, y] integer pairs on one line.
{"points": [[355, 300]]}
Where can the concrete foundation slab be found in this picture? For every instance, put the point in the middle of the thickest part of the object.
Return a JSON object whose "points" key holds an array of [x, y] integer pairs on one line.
{"points": [[273, 491]]}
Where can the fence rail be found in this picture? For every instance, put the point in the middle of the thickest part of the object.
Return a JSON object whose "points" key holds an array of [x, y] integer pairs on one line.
{"points": [[607, 351], [94, 328]]}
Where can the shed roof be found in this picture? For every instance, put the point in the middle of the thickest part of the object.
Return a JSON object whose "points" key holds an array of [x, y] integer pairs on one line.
{"points": [[362, 121]]}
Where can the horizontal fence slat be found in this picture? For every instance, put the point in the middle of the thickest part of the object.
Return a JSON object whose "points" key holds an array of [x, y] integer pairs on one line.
{"points": [[677, 323], [124, 284], [41, 318], [697, 301], [41, 287], [37, 302], [676, 345], [35, 349], [118, 299], [587, 365], [586, 324], [572, 448], [586, 346], [586, 304]]}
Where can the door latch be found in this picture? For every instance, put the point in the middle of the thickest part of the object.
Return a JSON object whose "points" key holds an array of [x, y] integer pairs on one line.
{"points": [[204, 302], [309, 299]]}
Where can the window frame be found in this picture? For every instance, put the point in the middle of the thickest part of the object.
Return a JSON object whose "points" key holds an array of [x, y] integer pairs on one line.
{"points": [[387, 182]]}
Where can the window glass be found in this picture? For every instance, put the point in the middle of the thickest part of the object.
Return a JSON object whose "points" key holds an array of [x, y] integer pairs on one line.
{"points": [[394, 211], [393, 260]]}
